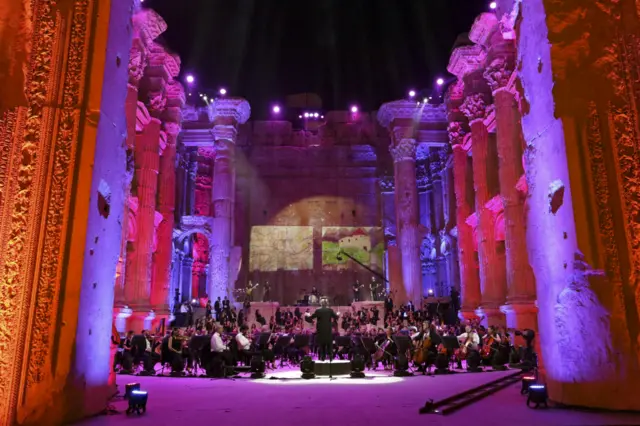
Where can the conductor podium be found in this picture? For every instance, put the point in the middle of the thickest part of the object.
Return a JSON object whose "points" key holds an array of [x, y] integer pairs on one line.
{"points": [[335, 368]]}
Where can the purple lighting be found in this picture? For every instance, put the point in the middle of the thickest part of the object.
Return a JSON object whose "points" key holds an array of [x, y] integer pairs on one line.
{"points": [[306, 115], [190, 79], [223, 91], [493, 5], [440, 81], [276, 109], [412, 93], [354, 109]]}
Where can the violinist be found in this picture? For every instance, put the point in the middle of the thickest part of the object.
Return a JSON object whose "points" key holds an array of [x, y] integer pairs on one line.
{"points": [[150, 357], [490, 344], [386, 350]]}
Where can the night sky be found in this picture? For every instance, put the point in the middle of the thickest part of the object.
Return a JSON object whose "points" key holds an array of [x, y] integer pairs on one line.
{"points": [[365, 52]]}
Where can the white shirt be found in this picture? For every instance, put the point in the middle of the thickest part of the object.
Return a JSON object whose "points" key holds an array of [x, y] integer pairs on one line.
{"points": [[475, 339], [243, 343], [216, 343], [184, 309], [148, 349]]}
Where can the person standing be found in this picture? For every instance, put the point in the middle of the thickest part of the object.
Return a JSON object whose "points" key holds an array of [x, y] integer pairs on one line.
{"points": [[356, 291], [324, 317]]}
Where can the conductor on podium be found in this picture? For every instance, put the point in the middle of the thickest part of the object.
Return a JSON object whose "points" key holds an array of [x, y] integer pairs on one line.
{"points": [[324, 329]]}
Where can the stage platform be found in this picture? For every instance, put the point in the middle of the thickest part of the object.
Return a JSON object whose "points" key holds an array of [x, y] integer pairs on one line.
{"points": [[283, 399]]}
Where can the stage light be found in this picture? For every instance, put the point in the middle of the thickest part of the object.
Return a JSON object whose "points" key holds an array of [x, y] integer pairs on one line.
{"points": [[257, 367], [440, 81], [300, 116], [527, 381], [357, 367], [138, 402], [354, 109], [493, 5], [430, 291], [223, 91], [316, 115], [401, 366], [322, 116], [306, 115], [307, 367], [537, 396], [130, 387], [412, 93], [276, 109], [190, 79]]}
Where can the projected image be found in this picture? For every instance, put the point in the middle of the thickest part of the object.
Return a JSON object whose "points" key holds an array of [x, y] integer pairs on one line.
{"points": [[364, 244], [287, 248]]}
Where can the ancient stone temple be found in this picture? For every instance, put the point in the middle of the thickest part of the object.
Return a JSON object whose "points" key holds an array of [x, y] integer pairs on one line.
{"points": [[289, 194], [118, 198]]}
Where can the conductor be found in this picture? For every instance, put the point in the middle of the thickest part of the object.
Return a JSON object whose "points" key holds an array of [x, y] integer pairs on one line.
{"points": [[324, 329]]}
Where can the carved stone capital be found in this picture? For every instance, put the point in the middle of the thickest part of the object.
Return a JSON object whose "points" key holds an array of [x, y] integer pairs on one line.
{"points": [[456, 133], [148, 25], [405, 150], [172, 130], [475, 107], [157, 103], [387, 184], [483, 27], [498, 74], [466, 59], [237, 110]]}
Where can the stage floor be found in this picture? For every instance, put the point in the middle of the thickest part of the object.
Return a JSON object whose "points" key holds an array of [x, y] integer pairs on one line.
{"points": [[284, 399]]}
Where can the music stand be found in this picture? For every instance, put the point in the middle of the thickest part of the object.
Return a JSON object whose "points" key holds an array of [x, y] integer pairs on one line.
{"points": [[263, 340], [282, 343], [451, 343], [343, 342], [403, 345]]}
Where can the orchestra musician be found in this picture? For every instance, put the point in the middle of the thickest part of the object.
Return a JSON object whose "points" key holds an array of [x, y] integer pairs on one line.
{"points": [[174, 349], [356, 291], [469, 341], [150, 357], [244, 343]]}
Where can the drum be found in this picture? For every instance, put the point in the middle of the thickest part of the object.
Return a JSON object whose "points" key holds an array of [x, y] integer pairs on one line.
{"points": [[313, 299]]}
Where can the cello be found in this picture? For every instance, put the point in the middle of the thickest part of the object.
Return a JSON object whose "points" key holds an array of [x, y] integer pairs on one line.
{"points": [[422, 349]]}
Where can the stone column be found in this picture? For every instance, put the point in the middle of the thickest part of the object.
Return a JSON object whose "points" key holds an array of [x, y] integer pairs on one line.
{"points": [[166, 205], [469, 282], [187, 278], [520, 308], [192, 173], [147, 156], [227, 115], [404, 157], [492, 287]]}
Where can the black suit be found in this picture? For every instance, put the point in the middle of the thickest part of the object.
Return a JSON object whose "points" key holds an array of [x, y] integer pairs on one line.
{"points": [[324, 330]]}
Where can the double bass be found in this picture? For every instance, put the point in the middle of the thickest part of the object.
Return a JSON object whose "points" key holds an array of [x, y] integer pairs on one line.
{"points": [[422, 350], [487, 348]]}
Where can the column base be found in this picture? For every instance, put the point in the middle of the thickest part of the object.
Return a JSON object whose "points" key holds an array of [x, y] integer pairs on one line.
{"points": [[141, 320], [521, 315], [120, 315], [467, 314], [491, 316]]}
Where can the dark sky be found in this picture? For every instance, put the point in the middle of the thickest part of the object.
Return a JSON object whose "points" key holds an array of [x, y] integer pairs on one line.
{"points": [[348, 51]]}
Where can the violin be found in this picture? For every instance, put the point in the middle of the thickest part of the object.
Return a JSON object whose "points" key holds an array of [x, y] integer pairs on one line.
{"points": [[485, 352]]}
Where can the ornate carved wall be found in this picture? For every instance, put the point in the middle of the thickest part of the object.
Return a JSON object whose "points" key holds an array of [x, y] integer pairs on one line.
{"points": [[61, 203]]}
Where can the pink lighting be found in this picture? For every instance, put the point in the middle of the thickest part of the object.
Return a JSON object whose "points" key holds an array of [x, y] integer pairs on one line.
{"points": [[276, 109], [493, 5], [316, 115], [306, 115], [440, 81], [412, 93], [190, 79], [223, 91], [354, 109]]}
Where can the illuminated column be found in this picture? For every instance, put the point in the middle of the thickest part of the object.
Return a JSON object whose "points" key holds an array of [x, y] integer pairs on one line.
{"points": [[160, 289], [492, 287], [520, 308], [147, 156], [227, 114], [393, 263], [404, 158], [469, 281]]}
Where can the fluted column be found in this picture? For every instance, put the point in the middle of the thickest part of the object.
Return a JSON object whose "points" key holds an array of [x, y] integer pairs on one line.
{"points": [[520, 308], [469, 280], [404, 156], [166, 206], [147, 156], [493, 288], [227, 115]]}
